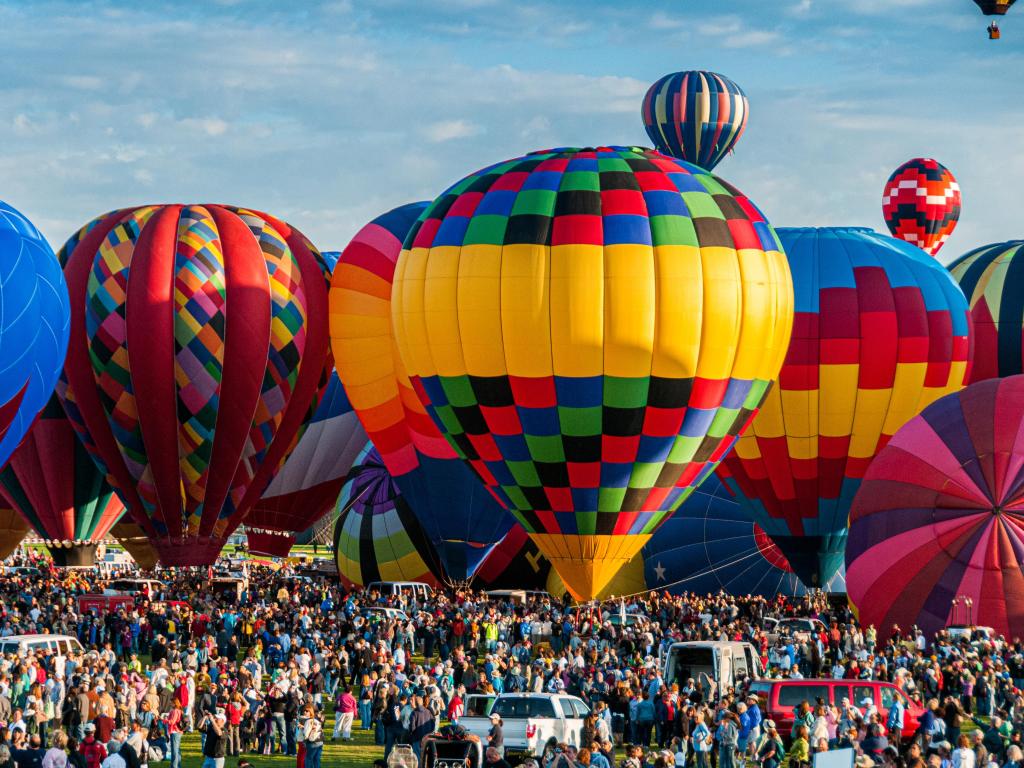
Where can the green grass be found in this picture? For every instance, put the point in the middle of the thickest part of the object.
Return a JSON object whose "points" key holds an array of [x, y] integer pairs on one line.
{"points": [[359, 753]]}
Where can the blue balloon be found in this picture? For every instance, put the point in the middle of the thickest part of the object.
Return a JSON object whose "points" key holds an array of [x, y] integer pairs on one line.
{"points": [[35, 320], [710, 544], [458, 514]]}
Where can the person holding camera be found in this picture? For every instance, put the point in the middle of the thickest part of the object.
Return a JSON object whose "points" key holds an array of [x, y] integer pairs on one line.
{"points": [[215, 744]]}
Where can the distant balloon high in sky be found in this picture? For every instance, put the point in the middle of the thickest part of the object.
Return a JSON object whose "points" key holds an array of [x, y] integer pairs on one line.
{"points": [[55, 485], [994, 7], [940, 515], [695, 116], [921, 204], [590, 329], [460, 517], [200, 349], [992, 279], [34, 325], [881, 330]]}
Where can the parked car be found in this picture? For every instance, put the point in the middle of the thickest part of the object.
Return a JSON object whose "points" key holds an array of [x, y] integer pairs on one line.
{"points": [[530, 719], [778, 699], [799, 629], [727, 663], [22, 644]]}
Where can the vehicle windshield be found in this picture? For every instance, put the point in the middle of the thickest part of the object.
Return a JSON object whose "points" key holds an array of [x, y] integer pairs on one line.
{"points": [[685, 662], [520, 708]]}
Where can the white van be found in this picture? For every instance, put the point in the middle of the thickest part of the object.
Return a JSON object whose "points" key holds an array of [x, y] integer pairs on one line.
{"points": [[416, 590], [150, 587], [727, 663], [23, 644]]}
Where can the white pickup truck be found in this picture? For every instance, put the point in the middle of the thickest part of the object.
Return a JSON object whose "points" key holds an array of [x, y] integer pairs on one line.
{"points": [[530, 719]]}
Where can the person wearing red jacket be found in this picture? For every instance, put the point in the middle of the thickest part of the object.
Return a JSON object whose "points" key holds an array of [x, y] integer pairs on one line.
{"points": [[93, 751]]}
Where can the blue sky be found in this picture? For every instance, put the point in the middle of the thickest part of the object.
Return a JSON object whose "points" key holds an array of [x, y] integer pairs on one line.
{"points": [[328, 113]]}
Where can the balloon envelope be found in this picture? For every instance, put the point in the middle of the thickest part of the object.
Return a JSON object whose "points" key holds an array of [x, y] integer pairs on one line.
{"points": [[307, 485], [461, 519], [940, 516], [881, 331], [54, 484], [199, 350], [921, 204], [710, 544], [695, 116], [994, 7], [590, 329], [377, 536], [33, 326], [992, 279]]}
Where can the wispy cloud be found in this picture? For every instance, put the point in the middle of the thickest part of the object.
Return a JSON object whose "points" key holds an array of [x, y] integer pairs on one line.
{"points": [[448, 130]]}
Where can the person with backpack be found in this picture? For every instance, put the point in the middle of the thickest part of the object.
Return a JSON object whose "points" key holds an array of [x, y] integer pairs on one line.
{"points": [[391, 719]]}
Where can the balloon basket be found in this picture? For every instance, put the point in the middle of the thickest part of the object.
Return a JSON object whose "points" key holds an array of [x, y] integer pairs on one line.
{"points": [[74, 555]]}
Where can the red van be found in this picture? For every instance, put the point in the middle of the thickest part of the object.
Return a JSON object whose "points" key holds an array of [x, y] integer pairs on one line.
{"points": [[779, 698]]}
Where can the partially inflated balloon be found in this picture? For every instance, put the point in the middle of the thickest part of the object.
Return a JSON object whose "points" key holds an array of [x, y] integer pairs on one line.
{"points": [[940, 516], [136, 543], [307, 485], [921, 204], [461, 519], [992, 279], [514, 563], [590, 329], [695, 116], [710, 544], [54, 484], [199, 351], [12, 530], [33, 326], [377, 536], [881, 331]]}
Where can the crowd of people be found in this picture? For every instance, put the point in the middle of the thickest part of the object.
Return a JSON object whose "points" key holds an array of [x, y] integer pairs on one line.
{"points": [[296, 660]]}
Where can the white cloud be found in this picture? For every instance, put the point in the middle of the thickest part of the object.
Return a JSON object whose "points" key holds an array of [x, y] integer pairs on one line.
{"points": [[211, 126], [801, 7], [733, 32], [885, 6], [449, 130], [83, 82], [23, 125], [147, 119]]}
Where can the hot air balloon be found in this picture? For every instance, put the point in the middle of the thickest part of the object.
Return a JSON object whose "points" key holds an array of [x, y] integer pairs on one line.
{"points": [[461, 519], [590, 329], [921, 204], [695, 116], [710, 544], [514, 563], [307, 485], [377, 536], [881, 331], [992, 279], [54, 484], [940, 516], [994, 7], [199, 351], [12, 530], [131, 536], [33, 326]]}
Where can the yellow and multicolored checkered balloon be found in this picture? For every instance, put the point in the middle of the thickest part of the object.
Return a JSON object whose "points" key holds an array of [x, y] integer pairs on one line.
{"points": [[591, 329]]}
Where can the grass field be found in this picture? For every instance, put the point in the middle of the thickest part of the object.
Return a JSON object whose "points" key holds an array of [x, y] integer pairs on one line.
{"points": [[355, 754]]}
